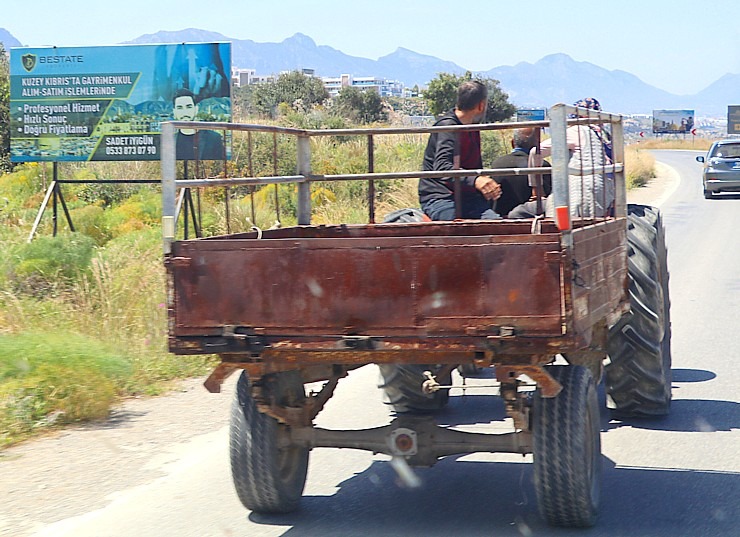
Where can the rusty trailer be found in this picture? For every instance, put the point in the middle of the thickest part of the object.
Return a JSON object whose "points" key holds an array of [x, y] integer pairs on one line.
{"points": [[309, 303]]}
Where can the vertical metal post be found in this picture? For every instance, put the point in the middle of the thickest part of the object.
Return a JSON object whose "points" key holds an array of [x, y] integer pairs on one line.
{"points": [[54, 213], [188, 203], [199, 173], [275, 172], [223, 155], [196, 221], [304, 187], [620, 203], [65, 209], [227, 195], [371, 182], [250, 169], [535, 180], [168, 166], [227, 190], [186, 193], [560, 158], [457, 185]]}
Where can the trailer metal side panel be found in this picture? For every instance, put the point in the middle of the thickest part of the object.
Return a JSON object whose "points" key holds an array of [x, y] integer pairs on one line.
{"points": [[599, 280], [376, 286]]}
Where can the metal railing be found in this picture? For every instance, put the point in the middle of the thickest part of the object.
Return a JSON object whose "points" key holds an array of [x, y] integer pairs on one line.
{"points": [[561, 171]]}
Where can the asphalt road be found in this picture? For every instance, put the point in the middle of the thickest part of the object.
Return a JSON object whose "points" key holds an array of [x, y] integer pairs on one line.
{"points": [[679, 476]]}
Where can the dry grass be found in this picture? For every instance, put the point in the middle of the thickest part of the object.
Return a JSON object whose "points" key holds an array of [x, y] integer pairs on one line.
{"points": [[639, 166], [701, 144]]}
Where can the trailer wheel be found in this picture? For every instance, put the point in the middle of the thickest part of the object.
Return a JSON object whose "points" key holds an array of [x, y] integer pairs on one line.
{"points": [[402, 389], [567, 449], [638, 374], [268, 476]]}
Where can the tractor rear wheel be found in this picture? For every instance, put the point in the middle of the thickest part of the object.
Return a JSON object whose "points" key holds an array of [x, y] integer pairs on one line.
{"points": [[638, 373]]}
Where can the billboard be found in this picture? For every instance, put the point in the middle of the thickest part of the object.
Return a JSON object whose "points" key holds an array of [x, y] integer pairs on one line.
{"points": [[108, 102], [673, 121], [733, 119], [530, 114]]}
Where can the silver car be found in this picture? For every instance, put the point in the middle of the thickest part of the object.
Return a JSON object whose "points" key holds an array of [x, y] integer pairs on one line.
{"points": [[721, 168]]}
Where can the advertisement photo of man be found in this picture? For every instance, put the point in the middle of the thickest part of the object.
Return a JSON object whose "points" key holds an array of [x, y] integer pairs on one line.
{"points": [[192, 144]]}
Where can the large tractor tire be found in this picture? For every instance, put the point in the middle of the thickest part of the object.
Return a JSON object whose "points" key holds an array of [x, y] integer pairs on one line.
{"points": [[567, 449], [638, 372], [268, 477], [402, 387]]}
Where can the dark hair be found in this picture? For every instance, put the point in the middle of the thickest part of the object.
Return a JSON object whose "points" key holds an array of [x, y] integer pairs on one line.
{"points": [[470, 94], [184, 92], [524, 138]]}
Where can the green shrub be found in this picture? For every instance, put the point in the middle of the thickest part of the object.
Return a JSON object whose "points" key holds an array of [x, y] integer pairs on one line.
{"points": [[48, 379], [105, 193], [48, 263], [90, 221], [27, 179]]}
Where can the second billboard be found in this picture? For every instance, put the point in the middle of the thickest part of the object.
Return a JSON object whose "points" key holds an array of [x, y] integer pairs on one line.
{"points": [[673, 121]]}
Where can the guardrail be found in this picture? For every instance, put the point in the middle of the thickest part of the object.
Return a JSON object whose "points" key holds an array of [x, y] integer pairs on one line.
{"points": [[564, 172]]}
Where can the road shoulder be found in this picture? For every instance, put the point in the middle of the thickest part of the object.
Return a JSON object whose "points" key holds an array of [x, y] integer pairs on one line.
{"points": [[658, 189]]}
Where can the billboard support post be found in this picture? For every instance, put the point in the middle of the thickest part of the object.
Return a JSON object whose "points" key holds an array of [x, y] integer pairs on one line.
{"points": [[53, 194], [54, 199]]}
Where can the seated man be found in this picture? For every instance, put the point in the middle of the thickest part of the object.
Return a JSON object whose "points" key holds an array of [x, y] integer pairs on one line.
{"points": [[515, 189], [459, 150]]}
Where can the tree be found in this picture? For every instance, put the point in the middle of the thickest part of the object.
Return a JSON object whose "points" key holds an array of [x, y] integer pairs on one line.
{"points": [[362, 106], [5, 164], [290, 88], [441, 95], [242, 101]]}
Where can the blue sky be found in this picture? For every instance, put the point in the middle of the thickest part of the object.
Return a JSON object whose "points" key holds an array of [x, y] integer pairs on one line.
{"points": [[680, 46]]}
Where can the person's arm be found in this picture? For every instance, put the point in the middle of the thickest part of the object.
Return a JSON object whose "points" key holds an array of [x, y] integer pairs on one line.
{"points": [[444, 154]]}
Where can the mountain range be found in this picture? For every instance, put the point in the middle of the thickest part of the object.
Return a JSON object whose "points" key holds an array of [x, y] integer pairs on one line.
{"points": [[554, 78]]}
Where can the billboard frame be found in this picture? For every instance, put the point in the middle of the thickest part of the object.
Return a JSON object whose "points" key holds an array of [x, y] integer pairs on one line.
{"points": [[678, 121], [733, 119], [107, 103]]}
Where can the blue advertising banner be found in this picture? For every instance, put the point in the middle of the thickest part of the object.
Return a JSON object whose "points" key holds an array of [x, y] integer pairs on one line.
{"points": [[530, 114], [108, 103]]}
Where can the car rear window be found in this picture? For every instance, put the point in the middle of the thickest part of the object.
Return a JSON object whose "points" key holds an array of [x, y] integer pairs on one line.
{"points": [[727, 151]]}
